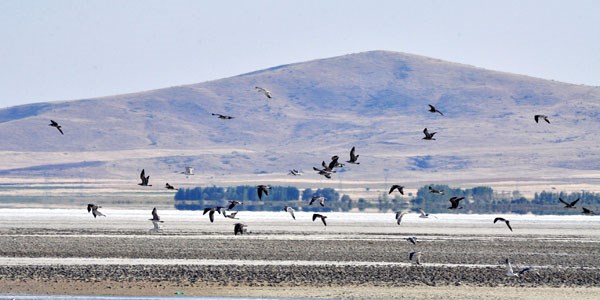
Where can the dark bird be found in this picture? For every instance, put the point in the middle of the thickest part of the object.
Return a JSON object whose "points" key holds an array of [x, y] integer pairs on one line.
{"points": [[233, 203], [428, 136], [503, 220], [262, 189], [224, 117], [412, 239], [334, 163], [399, 215], [434, 110], [325, 173], [231, 215], [93, 208], [289, 210], [454, 201], [239, 228], [144, 178], [588, 211], [353, 157], [55, 125], [434, 191], [568, 205], [155, 217], [263, 91], [211, 212], [295, 172], [416, 256], [321, 200], [170, 187], [538, 117], [315, 216], [529, 270], [396, 187]]}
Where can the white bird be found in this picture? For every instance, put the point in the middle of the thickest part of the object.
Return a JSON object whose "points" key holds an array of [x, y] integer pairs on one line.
{"points": [[156, 227], [424, 214], [509, 270], [231, 215], [321, 200], [188, 171], [416, 256], [399, 215], [290, 210], [263, 91]]}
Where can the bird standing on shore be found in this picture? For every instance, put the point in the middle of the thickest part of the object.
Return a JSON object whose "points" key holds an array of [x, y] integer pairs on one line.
{"points": [[55, 125], [505, 221]]}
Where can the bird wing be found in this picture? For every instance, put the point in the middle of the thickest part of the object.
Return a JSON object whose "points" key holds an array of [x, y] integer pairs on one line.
{"points": [[525, 270], [431, 108], [499, 219], [260, 191], [143, 175], [155, 215], [232, 215], [323, 219], [573, 203], [60, 130], [352, 154], [315, 216], [509, 269], [508, 224], [563, 201], [53, 123], [536, 118], [89, 207], [211, 216], [546, 119], [322, 201], [426, 132], [291, 211], [392, 188], [231, 205], [312, 200], [206, 210]]}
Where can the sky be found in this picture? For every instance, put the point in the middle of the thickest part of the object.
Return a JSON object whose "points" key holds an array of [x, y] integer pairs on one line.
{"points": [[68, 50]]}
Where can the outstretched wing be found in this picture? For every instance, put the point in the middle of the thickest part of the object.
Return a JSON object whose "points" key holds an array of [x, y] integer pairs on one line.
{"points": [[155, 215], [573, 203], [563, 201]]}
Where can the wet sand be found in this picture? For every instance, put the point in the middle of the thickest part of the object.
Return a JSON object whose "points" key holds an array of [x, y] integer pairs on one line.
{"points": [[361, 256]]}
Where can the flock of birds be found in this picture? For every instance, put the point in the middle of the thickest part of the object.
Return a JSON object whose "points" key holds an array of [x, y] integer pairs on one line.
{"points": [[326, 170]]}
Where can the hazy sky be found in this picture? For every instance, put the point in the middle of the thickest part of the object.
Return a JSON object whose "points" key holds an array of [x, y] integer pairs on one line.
{"points": [[62, 50]]}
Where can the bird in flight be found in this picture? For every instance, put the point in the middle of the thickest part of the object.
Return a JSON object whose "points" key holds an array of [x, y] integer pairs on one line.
{"points": [[211, 212], [588, 211], [262, 189], [55, 124], [170, 187], [263, 91], [416, 256], [428, 136], [239, 228], [333, 164], [353, 157], [399, 215], [295, 172], [289, 210], [454, 202], [144, 178], [434, 110], [93, 208], [511, 273], [412, 239], [424, 214], [155, 217], [503, 220], [568, 205], [314, 198], [538, 117], [233, 203], [324, 172], [396, 187], [322, 217], [224, 117], [231, 215], [434, 191]]}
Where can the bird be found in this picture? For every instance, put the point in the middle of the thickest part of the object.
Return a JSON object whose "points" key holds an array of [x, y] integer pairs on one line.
{"points": [[396, 187], [434, 191], [568, 205], [503, 220], [155, 217], [588, 211], [295, 172], [399, 215], [434, 110], [528, 270], [353, 157], [170, 187], [233, 203], [321, 200], [93, 208], [454, 201], [412, 239], [416, 256], [145, 179], [325, 173], [334, 163], [55, 124], [424, 214], [224, 117], [211, 212], [188, 171], [428, 136], [231, 215], [156, 227], [537, 118], [290, 210], [264, 91], [509, 270], [320, 216], [262, 189], [239, 228]]}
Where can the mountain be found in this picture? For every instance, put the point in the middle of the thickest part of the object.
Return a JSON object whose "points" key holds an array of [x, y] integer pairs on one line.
{"points": [[376, 101]]}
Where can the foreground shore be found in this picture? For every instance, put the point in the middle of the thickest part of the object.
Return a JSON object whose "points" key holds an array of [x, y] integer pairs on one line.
{"points": [[356, 257]]}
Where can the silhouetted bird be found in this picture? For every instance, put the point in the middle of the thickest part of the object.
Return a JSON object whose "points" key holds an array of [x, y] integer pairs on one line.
{"points": [[538, 117], [170, 187], [295, 172], [353, 157], [54, 124], [263, 91], [262, 189], [220, 116], [399, 216], [233, 203], [568, 205], [434, 191], [588, 211], [145, 179], [239, 228], [325, 173], [412, 239], [454, 201], [428, 136], [416, 256], [334, 163], [93, 208], [321, 200], [322, 217], [396, 187], [289, 210], [503, 220], [434, 110], [155, 217], [211, 212]]}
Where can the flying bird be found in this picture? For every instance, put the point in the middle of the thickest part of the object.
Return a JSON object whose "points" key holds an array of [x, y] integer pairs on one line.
{"points": [[454, 201], [289, 210], [568, 205], [416, 256], [353, 157], [262, 189], [231, 215], [428, 136], [321, 200], [538, 117], [325, 173], [396, 187], [239, 228], [233, 203], [224, 117], [434, 191], [588, 211], [295, 172], [315, 216], [424, 214], [145, 179], [211, 212], [93, 208], [55, 125], [434, 110], [412, 239], [188, 171], [511, 273], [155, 217], [170, 187], [399, 215], [503, 220], [263, 91], [333, 164]]}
